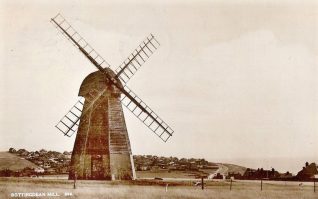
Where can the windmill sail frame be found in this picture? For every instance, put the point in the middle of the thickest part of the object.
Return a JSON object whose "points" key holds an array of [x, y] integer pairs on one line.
{"points": [[138, 57], [70, 122], [132, 98]]}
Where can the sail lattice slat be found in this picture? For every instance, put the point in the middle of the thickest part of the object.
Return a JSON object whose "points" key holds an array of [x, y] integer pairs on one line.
{"points": [[136, 59], [69, 123], [77, 40], [145, 114]]}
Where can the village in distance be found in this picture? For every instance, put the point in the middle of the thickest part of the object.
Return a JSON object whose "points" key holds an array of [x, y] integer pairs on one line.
{"points": [[36, 164]]}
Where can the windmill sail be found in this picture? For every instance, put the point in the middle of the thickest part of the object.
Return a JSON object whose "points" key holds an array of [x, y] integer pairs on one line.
{"points": [[77, 40], [147, 116], [130, 66], [69, 123]]}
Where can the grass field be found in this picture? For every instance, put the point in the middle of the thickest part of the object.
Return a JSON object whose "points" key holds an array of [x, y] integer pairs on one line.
{"points": [[173, 174], [147, 189]]}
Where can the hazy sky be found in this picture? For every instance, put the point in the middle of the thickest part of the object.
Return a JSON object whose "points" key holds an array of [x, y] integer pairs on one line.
{"points": [[236, 81]]}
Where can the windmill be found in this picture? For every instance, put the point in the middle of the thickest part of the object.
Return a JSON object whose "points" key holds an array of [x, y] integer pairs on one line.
{"points": [[102, 147]]}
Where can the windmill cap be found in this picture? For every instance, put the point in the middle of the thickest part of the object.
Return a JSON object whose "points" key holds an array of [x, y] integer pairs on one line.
{"points": [[97, 81]]}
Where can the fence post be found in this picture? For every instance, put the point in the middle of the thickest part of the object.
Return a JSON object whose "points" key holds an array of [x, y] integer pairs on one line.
{"points": [[261, 184], [75, 181], [231, 185], [314, 185], [202, 183]]}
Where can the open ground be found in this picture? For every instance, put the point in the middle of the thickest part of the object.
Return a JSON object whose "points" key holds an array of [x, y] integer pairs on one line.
{"points": [[155, 189]]}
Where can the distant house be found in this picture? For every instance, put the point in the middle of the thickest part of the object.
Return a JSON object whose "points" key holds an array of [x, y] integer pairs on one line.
{"points": [[67, 153], [144, 168], [46, 165], [286, 175], [162, 165], [33, 155], [252, 174], [249, 173], [308, 172], [43, 152], [233, 175], [38, 170], [68, 156], [219, 176], [183, 167], [50, 171], [53, 160]]}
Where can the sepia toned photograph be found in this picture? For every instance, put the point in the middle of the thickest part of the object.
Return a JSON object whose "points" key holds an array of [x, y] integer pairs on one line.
{"points": [[137, 99]]}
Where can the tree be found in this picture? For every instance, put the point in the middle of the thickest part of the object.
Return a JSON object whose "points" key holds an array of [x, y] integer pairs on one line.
{"points": [[12, 150], [42, 151], [22, 152]]}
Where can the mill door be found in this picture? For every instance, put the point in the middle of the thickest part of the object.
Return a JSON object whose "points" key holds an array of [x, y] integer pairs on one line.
{"points": [[97, 167]]}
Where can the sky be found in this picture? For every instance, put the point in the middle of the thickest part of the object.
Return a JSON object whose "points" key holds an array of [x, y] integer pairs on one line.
{"points": [[236, 81]]}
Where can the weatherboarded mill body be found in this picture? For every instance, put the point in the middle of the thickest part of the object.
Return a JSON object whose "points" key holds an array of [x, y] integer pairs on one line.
{"points": [[102, 148]]}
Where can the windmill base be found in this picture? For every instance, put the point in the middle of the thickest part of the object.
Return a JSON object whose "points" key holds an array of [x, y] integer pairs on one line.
{"points": [[113, 167]]}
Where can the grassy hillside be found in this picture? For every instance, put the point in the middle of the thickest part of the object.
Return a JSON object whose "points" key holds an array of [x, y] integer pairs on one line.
{"points": [[232, 168], [13, 162]]}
